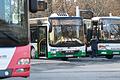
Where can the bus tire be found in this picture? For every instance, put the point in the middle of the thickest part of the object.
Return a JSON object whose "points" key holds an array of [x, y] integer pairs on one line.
{"points": [[64, 58], [109, 56], [32, 54]]}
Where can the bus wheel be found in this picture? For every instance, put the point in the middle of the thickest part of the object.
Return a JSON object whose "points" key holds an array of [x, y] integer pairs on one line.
{"points": [[64, 58], [33, 53], [109, 56]]}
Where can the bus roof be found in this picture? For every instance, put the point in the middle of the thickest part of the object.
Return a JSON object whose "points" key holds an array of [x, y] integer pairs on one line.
{"points": [[43, 20], [105, 17], [66, 17], [62, 16]]}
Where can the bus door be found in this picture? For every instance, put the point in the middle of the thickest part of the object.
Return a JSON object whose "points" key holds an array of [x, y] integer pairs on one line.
{"points": [[42, 46], [34, 32]]}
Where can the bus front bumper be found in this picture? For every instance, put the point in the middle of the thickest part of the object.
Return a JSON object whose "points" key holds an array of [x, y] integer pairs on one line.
{"points": [[5, 73], [18, 71]]}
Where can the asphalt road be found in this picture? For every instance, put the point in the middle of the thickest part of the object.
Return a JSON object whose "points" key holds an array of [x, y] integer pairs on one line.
{"points": [[75, 69]]}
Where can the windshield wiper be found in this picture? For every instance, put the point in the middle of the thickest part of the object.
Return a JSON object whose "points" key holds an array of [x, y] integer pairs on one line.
{"points": [[10, 37]]}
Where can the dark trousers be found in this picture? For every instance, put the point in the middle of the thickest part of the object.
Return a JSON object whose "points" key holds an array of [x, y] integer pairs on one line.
{"points": [[94, 53]]}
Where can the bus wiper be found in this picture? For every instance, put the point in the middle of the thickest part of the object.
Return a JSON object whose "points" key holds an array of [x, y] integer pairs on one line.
{"points": [[10, 37]]}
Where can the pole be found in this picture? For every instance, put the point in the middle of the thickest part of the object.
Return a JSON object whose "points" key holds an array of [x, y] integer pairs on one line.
{"points": [[77, 11], [49, 7]]}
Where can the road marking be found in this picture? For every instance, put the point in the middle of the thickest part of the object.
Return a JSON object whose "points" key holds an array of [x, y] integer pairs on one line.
{"points": [[39, 61]]}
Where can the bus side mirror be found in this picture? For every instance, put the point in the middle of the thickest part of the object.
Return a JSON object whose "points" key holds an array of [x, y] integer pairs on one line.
{"points": [[50, 27], [33, 6], [101, 26], [85, 29], [89, 35]]}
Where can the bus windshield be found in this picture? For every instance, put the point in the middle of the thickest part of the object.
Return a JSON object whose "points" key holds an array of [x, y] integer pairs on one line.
{"points": [[66, 32], [13, 25], [111, 29]]}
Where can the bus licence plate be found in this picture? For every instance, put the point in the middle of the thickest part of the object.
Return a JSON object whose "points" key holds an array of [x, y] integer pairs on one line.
{"points": [[69, 55], [116, 53]]}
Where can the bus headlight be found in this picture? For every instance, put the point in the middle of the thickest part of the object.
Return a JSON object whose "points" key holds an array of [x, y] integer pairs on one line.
{"points": [[54, 52], [23, 61]]}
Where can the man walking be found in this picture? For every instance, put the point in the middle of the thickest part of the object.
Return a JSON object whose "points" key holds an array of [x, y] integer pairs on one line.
{"points": [[94, 46]]}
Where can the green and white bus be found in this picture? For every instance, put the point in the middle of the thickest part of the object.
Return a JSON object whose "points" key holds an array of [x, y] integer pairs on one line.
{"points": [[63, 37], [107, 30]]}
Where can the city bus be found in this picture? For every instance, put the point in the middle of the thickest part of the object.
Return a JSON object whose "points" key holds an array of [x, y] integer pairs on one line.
{"points": [[107, 30], [63, 37], [15, 37]]}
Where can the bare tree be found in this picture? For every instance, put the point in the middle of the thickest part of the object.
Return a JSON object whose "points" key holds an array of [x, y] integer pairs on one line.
{"points": [[99, 7]]}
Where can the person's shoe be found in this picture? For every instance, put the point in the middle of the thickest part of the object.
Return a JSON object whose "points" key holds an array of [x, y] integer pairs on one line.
{"points": [[96, 56], [92, 56]]}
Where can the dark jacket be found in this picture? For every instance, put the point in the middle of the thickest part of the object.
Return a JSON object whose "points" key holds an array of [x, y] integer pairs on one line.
{"points": [[94, 44]]}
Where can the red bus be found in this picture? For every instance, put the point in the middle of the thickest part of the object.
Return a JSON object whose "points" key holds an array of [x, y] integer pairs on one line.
{"points": [[14, 37]]}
